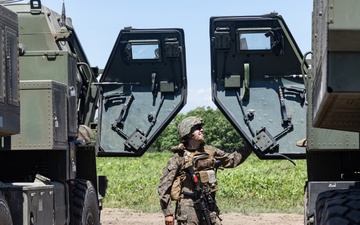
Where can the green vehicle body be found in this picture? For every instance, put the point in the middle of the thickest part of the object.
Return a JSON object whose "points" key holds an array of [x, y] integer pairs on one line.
{"points": [[52, 100]]}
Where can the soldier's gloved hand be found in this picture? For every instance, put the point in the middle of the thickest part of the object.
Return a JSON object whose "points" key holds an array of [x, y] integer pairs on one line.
{"points": [[245, 151], [169, 220]]}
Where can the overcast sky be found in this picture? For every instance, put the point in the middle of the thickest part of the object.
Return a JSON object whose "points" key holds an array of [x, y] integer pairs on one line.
{"points": [[98, 23]]}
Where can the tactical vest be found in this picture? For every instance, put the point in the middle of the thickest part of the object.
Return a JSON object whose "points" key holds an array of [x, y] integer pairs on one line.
{"points": [[203, 163]]}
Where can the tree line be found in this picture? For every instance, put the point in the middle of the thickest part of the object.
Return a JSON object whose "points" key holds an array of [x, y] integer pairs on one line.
{"points": [[217, 130]]}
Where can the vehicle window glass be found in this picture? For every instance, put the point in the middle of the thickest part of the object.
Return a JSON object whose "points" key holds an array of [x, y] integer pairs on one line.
{"points": [[145, 51], [254, 41]]}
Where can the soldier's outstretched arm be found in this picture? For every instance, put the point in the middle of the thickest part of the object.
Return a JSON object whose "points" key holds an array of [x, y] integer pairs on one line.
{"points": [[229, 160]]}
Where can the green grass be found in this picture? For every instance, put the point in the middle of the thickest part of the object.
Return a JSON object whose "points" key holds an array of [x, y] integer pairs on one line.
{"points": [[256, 186]]}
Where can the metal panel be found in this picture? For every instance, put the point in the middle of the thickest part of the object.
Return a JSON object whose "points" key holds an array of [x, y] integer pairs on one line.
{"points": [[11, 66], [9, 73], [343, 21], [60, 203], [46, 58], [72, 100], [36, 29], [43, 116], [257, 82], [59, 66], [47, 65], [321, 139], [336, 95], [142, 88], [30, 203]]}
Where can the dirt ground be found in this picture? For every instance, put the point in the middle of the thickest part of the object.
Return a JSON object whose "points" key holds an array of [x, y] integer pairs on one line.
{"points": [[120, 217]]}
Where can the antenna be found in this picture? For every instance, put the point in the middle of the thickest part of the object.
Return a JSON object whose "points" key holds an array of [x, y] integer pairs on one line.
{"points": [[63, 15]]}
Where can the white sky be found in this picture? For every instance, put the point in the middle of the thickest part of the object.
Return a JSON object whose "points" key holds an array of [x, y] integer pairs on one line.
{"points": [[98, 24]]}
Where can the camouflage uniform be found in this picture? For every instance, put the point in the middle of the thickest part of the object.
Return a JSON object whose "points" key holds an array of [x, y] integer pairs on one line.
{"points": [[185, 212]]}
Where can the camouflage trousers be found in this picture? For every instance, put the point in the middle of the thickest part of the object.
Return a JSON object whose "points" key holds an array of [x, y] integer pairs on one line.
{"points": [[187, 215]]}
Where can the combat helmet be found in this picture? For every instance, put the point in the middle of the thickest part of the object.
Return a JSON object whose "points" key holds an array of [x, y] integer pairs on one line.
{"points": [[187, 124]]}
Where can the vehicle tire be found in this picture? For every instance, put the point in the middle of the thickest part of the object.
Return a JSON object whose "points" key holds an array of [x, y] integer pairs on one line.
{"points": [[338, 207], [5, 215], [84, 206]]}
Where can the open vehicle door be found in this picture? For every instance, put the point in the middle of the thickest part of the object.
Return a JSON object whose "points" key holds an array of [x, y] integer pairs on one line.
{"points": [[258, 75], [142, 89]]}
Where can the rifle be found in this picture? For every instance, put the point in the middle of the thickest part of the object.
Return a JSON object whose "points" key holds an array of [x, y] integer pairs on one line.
{"points": [[203, 200]]}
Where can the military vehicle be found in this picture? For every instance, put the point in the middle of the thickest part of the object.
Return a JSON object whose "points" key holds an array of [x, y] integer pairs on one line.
{"points": [[271, 93], [50, 97], [277, 97]]}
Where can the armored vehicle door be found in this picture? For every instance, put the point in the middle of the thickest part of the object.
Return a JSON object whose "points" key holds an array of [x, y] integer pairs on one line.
{"points": [[142, 88], [257, 74]]}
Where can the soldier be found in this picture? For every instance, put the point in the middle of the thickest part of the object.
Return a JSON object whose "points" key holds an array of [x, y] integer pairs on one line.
{"points": [[190, 176]]}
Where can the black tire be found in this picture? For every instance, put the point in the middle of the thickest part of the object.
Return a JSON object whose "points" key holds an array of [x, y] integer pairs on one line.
{"points": [[84, 206], [338, 207], [5, 215]]}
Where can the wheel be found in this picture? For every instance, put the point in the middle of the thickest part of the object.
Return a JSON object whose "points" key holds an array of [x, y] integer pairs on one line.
{"points": [[84, 206], [5, 215], [338, 207]]}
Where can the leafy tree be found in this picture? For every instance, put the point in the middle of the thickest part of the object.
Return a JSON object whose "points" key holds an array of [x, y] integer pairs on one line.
{"points": [[218, 131]]}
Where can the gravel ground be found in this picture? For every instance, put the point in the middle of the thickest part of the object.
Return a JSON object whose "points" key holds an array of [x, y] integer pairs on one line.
{"points": [[111, 216]]}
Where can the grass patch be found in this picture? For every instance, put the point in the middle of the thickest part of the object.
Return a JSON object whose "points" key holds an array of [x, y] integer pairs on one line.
{"points": [[256, 186]]}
